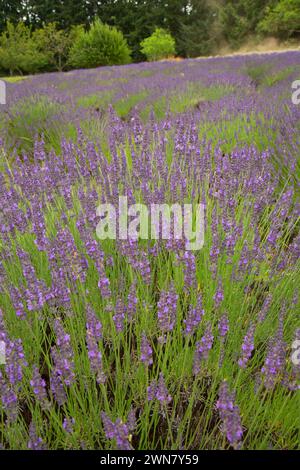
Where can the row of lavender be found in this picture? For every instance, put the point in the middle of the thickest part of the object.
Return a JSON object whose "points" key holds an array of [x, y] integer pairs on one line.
{"points": [[144, 344]]}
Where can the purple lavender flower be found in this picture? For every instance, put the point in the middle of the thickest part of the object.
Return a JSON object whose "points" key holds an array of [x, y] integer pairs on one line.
{"points": [[247, 347], [167, 309], [189, 270], [57, 388], [223, 326], [230, 415], [273, 367], [38, 385], [146, 351], [131, 420], [15, 362], [151, 390], [93, 335], [158, 390], [131, 302], [104, 285], [162, 393], [63, 355], [194, 317], [63, 359], [119, 316], [265, 308], [202, 349], [68, 425], [95, 358], [8, 398], [93, 325], [35, 442], [117, 430], [219, 295]]}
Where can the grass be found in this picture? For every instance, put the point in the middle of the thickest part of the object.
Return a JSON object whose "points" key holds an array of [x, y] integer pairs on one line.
{"points": [[180, 101], [100, 100], [13, 79], [126, 104]]}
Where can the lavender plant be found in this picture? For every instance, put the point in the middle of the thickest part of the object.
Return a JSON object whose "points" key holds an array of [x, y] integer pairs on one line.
{"points": [[140, 344]]}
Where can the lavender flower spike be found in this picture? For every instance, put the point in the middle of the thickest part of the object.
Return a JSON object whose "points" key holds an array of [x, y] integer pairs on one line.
{"points": [[230, 416]]}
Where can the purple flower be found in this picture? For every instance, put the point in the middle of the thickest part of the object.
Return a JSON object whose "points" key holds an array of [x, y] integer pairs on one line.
{"points": [[230, 415], [119, 316], [219, 295], [274, 364], [202, 349], [39, 388], [68, 425], [93, 325], [104, 284], [167, 309], [35, 442], [194, 317], [93, 336], [57, 388], [223, 326], [8, 398], [146, 351], [265, 308], [118, 430], [247, 347], [63, 359], [15, 362], [162, 394], [131, 302], [158, 390]]}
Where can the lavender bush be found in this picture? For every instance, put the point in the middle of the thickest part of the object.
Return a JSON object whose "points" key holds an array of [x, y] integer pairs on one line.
{"points": [[142, 344]]}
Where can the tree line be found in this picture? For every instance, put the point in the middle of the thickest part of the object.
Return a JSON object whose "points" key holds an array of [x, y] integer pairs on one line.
{"points": [[198, 27]]}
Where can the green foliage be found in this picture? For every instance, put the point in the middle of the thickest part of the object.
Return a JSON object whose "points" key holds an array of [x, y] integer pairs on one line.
{"points": [[55, 44], [19, 52], [197, 34], [101, 45], [239, 19], [13, 11], [282, 20], [160, 45], [65, 13]]}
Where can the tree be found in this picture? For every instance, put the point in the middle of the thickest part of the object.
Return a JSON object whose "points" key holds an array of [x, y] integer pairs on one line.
{"points": [[18, 51], [239, 19], [65, 13], [282, 20], [11, 10], [55, 44], [101, 45], [160, 45], [197, 35], [137, 19]]}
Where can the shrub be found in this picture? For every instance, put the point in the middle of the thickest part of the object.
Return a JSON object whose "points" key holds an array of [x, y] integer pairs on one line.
{"points": [[18, 50], [283, 20], [160, 45], [101, 45]]}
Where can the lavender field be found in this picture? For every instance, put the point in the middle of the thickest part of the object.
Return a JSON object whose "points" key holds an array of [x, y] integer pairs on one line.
{"points": [[143, 344]]}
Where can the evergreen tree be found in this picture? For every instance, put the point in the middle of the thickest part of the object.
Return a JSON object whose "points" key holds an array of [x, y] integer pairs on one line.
{"points": [[11, 10], [196, 33]]}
